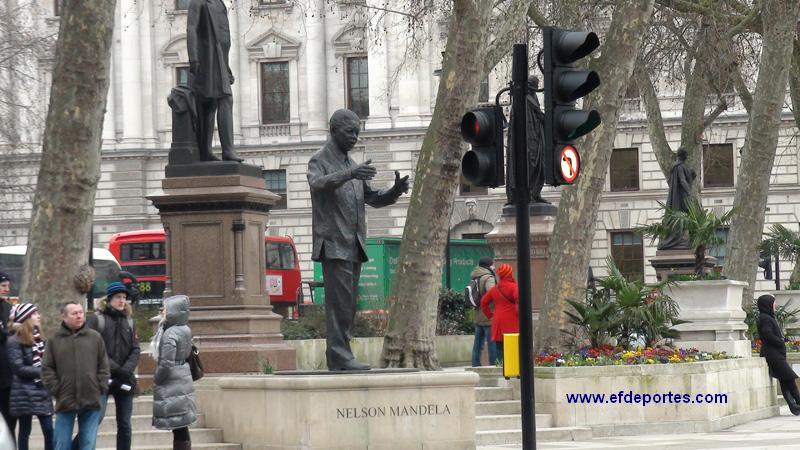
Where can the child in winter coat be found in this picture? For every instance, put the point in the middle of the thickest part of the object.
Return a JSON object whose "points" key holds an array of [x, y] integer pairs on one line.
{"points": [[505, 296], [29, 397]]}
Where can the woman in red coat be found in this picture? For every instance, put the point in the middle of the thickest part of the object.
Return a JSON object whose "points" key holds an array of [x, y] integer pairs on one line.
{"points": [[504, 295]]}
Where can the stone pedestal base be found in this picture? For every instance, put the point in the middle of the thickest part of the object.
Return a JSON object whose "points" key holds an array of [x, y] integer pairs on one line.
{"points": [[716, 317], [503, 240], [397, 411], [677, 262], [215, 229]]}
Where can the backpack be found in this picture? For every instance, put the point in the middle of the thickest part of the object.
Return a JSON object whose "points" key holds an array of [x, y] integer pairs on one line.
{"points": [[101, 322], [473, 292]]}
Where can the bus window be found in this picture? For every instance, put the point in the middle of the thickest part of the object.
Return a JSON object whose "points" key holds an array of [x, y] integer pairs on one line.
{"points": [[105, 273], [12, 265], [280, 256], [141, 251]]}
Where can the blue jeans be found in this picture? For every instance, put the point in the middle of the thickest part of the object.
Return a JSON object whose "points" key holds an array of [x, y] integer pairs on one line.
{"points": [[88, 421], [25, 425], [483, 333]]}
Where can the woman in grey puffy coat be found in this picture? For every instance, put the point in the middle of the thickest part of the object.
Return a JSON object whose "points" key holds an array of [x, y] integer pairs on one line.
{"points": [[173, 395]]}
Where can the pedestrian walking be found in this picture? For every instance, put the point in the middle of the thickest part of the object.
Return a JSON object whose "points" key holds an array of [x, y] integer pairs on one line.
{"points": [[486, 279], [505, 297], [173, 394], [29, 397], [114, 321], [75, 371], [5, 369], [773, 349]]}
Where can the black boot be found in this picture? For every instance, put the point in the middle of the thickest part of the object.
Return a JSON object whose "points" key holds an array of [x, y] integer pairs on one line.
{"points": [[230, 155], [181, 445], [790, 400]]}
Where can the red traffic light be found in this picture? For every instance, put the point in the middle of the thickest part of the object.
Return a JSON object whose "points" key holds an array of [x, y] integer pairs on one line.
{"points": [[477, 127]]}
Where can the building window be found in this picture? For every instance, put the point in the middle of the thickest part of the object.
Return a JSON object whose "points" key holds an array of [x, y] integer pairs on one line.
{"points": [[720, 251], [466, 188], [276, 183], [182, 75], [181, 5], [483, 93], [275, 92], [628, 254], [358, 86], [624, 169], [717, 165]]}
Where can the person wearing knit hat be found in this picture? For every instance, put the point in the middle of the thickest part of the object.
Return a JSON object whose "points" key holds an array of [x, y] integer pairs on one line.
{"points": [[5, 370], [505, 298], [486, 277], [28, 397]]}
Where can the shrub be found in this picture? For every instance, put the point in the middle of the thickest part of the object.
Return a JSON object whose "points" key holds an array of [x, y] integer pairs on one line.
{"points": [[784, 314], [454, 317], [144, 329], [311, 325]]}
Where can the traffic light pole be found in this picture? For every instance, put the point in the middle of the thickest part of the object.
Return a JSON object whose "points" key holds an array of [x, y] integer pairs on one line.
{"points": [[519, 80]]}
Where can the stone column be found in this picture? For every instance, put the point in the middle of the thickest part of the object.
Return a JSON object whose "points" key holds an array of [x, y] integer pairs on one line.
{"points": [[130, 50], [317, 72], [148, 88], [379, 94], [504, 242]]}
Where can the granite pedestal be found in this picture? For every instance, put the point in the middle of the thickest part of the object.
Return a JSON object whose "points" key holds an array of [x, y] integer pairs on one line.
{"points": [[215, 229]]}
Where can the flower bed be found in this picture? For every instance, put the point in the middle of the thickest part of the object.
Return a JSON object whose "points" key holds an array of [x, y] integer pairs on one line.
{"points": [[792, 345], [607, 355]]}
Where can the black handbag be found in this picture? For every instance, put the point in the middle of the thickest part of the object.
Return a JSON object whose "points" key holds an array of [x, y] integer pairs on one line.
{"points": [[195, 365]]}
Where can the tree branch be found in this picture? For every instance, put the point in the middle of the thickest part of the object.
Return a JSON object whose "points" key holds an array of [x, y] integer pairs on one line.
{"points": [[794, 82], [655, 122], [741, 89], [499, 48], [536, 16], [712, 116]]}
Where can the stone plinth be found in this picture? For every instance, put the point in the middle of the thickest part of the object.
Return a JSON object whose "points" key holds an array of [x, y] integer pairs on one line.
{"points": [[716, 317], [740, 391], [503, 240], [397, 411], [678, 262], [215, 229]]}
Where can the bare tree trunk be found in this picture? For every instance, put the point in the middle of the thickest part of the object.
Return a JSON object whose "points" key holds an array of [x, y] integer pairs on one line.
{"points": [[795, 276], [414, 294], [779, 18], [58, 242], [572, 238]]}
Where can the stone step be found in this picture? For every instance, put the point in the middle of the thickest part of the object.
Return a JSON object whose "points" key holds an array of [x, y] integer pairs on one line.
{"points": [[195, 446], [503, 407], [138, 423], [488, 382], [505, 437], [491, 394], [509, 422], [142, 406], [151, 437]]}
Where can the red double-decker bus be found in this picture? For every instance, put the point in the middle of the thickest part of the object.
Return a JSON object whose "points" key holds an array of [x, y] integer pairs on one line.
{"points": [[143, 254]]}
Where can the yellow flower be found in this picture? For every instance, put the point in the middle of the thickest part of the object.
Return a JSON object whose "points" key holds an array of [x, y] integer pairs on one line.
{"points": [[650, 361]]}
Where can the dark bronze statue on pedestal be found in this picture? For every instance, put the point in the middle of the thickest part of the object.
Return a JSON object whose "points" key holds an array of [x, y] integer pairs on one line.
{"points": [[680, 182], [339, 190]]}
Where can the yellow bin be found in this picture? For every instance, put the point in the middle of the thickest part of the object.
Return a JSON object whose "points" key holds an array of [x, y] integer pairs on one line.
{"points": [[511, 355]]}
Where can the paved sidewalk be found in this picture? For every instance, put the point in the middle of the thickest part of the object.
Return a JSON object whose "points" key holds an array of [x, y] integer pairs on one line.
{"points": [[782, 432]]}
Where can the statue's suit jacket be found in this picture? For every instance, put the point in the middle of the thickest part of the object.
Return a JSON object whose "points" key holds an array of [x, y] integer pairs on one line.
{"points": [[208, 41], [339, 225]]}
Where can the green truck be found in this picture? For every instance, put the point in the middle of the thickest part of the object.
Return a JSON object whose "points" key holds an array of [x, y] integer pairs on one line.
{"points": [[377, 273]]}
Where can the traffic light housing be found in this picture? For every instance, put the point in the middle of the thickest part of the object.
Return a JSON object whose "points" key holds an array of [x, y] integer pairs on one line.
{"points": [[563, 85], [483, 129]]}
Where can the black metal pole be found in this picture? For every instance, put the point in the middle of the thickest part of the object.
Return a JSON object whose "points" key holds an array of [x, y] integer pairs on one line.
{"points": [[90, 294], [777, 272], [519, 79]]}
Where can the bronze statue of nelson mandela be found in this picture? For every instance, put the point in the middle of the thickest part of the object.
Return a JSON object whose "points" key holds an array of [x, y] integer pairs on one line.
{"points": [[339, 191]]}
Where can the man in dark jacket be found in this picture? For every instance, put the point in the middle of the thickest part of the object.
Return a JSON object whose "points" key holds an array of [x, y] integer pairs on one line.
{"points": [[339, 190], [5, 368], [208, 41], [483, 326], [114, 322], [75, 371]]}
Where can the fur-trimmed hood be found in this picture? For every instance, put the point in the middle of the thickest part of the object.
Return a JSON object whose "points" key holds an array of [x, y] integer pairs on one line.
{"points": [[102, 306]]}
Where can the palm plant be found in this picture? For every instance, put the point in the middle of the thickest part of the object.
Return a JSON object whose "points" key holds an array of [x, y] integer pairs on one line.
{"points": [[629, 311], [698, 225], [784, 243]]}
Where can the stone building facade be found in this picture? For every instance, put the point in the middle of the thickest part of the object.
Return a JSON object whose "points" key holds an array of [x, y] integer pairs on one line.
{"points": [[295, 63]]}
